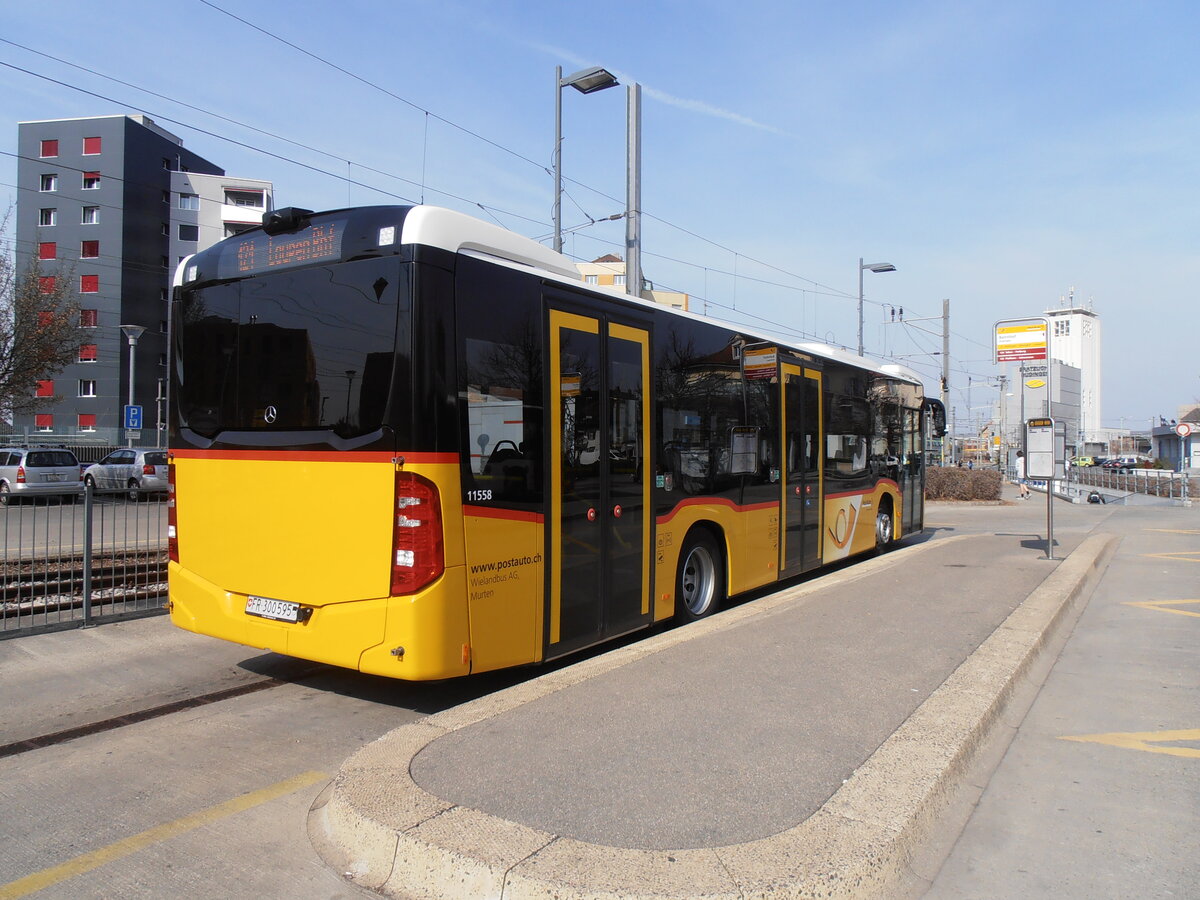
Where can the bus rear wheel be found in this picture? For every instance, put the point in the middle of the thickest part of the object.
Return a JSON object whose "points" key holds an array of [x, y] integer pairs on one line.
{"points": [[883, 527], [700, 581]]}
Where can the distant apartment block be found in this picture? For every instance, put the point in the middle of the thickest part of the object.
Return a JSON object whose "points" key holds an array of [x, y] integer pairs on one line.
{"points": [[609, 271], [116, 202]]}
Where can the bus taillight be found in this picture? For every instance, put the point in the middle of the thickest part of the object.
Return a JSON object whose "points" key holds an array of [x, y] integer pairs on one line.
{"points": [[172, 534], [417, 557]]}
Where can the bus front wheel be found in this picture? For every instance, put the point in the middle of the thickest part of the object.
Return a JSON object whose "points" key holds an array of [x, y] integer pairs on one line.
{"points": [[700, 581]]}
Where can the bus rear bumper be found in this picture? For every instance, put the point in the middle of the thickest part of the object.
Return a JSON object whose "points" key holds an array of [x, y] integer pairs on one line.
{"points": [[419, 638]]}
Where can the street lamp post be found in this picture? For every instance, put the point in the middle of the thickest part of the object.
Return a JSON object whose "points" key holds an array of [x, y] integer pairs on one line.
{"points": [[586, 81], [132, 333], [863, 267]]}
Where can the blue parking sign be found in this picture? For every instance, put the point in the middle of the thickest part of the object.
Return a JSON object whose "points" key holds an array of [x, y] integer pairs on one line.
{"points": [[133, 417]]}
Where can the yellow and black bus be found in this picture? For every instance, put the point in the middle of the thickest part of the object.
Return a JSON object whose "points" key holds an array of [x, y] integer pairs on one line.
{"points": [[408, 442]]}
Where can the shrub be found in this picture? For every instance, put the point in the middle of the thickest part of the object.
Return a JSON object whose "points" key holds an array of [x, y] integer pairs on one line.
{"points": [[953, 483]]}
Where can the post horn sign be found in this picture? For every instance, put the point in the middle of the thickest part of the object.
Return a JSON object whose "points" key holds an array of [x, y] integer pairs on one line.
{"points": [[1018, 340]]}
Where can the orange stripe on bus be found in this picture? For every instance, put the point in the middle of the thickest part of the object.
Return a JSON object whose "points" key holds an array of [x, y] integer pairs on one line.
{"points": [[715, 501], [491, 512], [318, 456]]}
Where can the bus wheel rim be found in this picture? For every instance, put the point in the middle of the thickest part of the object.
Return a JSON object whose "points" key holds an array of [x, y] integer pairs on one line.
{"points": [[699, 580], [883, 528]]}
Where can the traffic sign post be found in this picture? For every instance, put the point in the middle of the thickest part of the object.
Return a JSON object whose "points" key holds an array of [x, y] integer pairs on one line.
{"points": [[1046, 457]]}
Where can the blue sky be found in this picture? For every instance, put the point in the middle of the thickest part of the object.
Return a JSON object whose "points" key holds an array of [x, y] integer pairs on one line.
{"points": [[997, 154]]}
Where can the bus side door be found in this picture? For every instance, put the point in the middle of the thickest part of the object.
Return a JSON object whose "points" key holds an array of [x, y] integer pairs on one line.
{"points": [[598, 420], [801, 430]]}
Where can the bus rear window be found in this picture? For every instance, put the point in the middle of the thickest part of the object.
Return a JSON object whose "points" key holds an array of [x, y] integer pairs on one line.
{"points": [[311, 348]]}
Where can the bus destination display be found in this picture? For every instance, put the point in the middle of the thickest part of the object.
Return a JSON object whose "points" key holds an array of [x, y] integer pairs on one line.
{"points": [[261, 252]]}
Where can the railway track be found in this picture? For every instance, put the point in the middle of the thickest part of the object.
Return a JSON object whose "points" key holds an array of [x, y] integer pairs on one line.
{"points": [[46, 584]]}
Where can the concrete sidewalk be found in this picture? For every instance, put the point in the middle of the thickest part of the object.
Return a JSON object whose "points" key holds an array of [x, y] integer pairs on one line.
{"points": [[811, 742]]}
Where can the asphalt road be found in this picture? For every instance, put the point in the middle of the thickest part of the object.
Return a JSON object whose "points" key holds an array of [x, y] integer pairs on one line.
{"points": [[179, 796]]}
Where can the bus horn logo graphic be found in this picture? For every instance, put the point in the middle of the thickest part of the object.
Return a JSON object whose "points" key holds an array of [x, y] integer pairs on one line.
{"points": [[270, 414]]}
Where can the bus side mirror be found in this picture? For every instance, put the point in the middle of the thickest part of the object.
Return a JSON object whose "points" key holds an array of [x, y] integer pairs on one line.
{"points": [[937, 417]]}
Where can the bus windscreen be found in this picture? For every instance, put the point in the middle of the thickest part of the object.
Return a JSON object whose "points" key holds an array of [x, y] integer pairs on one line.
{"points": [[311, 348]]}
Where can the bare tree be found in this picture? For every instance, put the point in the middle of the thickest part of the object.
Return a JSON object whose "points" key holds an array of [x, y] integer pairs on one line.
{"points": [[39, 326]]}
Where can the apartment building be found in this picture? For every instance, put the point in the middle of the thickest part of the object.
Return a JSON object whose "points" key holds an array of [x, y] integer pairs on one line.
{"points": [[113, 203]]}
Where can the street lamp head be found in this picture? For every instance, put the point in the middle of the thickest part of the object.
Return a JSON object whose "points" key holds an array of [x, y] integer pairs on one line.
{"points": [[133, 332], [588, 81], [879, 267]]}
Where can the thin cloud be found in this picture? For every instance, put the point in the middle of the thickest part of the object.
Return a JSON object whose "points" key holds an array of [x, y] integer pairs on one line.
{"points": [[696, 106]]}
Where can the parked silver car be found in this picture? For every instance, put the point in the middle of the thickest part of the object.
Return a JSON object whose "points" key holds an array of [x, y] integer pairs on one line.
{"points": [[136, 472], [26, 472]]}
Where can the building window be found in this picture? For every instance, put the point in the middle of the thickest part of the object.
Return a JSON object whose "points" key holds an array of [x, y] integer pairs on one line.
{"points": [[165, 229], [232, 228], [166, 196], [91, 215], [87, 353], [162, 359], [45, 388], [162, 326], [87, 387], [87, 421], [619, 280], [91, 181], [44, 422], [48, 217], [89, 318], [91, 146], [45, 317], [47, 283], [591, 279], [252, 199], [189, 201], [89, 284], [47, 250], [48, 183], [166, 263], [189, 232], [163, 294], [1062, 328], [89, 249], [49, 148]]}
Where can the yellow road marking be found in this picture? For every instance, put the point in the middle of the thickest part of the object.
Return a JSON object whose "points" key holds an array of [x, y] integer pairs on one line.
{"points": [[1144, 740], [1161, 606], [1175, 530], [132, 844], [1184, 555]]}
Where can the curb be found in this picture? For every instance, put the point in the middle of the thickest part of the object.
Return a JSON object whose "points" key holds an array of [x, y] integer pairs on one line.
{"points": [[382, 831]]}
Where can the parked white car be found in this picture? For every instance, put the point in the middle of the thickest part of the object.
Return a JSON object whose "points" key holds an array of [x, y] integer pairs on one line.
{"points": [[26, 472], [136, 472]]}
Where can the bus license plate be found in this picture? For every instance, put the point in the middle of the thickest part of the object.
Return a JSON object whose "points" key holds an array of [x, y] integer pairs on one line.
{"points": [[266, 608]]}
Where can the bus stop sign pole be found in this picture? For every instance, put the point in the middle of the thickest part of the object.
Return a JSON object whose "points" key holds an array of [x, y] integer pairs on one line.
{"points": [[1045, 457]]}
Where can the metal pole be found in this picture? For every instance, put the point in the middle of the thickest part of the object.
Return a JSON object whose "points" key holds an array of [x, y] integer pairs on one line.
{"points": [[558, 159], [132, 346], [860, 306], [633, 195], [945, 355], [89, 497]]}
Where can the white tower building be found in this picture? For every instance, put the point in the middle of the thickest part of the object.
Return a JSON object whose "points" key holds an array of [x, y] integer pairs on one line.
{"points": [[1075, 341]]}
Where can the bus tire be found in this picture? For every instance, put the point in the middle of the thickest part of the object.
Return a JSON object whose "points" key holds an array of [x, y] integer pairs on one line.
{"points": [[884, 525], [700, 580]]}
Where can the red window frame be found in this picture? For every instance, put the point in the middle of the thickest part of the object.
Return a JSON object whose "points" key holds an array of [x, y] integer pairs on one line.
{"points": [[45, 388], [48, 250], [89, 284], [87, 176], [43, 420], [91, 146], [45, 317], [87, 353], [87, 420], [49, 148], [89, 318], [89, 249], [47, 283]]}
